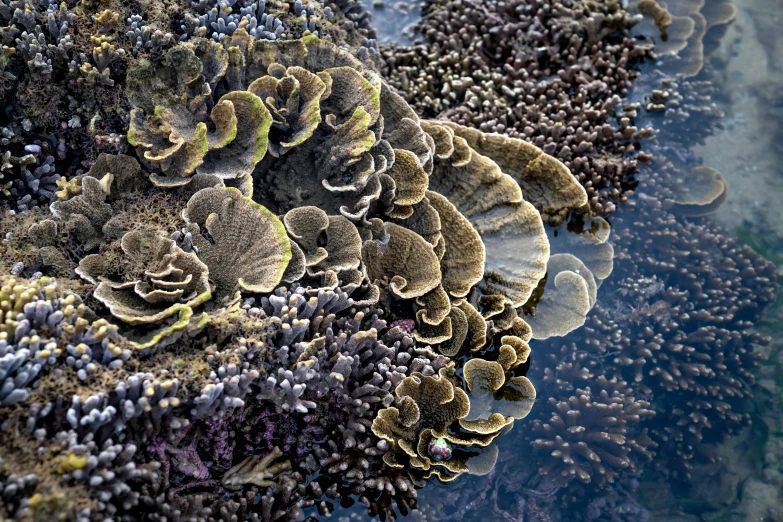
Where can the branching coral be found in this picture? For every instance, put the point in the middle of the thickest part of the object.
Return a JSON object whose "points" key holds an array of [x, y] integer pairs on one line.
{"points": [[31, 184], [547, 74], [593, 436], [142, 404]]}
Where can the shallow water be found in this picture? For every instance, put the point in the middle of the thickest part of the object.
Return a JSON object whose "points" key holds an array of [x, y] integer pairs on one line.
{"points": [[743, 482], [394, 20]]}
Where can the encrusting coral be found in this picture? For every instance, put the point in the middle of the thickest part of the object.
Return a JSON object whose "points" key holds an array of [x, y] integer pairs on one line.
{"points": [[296, 256]]}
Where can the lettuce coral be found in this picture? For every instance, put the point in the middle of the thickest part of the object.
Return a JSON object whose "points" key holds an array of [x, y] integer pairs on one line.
{"points": [[410, 252]]}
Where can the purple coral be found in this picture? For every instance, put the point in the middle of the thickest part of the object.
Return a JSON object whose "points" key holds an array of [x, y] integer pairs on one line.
{"points": [[439, 449]]}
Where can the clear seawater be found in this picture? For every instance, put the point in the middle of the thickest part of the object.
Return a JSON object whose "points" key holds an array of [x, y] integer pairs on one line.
{"points": [[743, 485]]}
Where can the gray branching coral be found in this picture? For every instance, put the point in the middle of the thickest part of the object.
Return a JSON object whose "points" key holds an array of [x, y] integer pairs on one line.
{"points": [[588, 436]]}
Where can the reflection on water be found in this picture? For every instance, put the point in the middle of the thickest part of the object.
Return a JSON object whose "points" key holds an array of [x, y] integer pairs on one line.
{"points": [[667, 403], [394, 21]]}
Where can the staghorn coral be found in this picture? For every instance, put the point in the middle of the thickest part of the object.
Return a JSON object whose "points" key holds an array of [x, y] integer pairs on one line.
{"points": [[594, 432], [578, 436], [701, 348], [140, 396], [255, 470], [673, 325], [221, 21], [36, 315], [546, 73], [32, 181]]}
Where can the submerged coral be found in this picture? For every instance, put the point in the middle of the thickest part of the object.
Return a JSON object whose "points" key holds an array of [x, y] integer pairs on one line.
{"points": [[302, 294], [668, 335], [689, 31]]}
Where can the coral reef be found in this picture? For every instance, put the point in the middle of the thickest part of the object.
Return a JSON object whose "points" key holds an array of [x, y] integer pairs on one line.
{"points": [[246, 276], [291, 295], [668, 337], [63, 71]]}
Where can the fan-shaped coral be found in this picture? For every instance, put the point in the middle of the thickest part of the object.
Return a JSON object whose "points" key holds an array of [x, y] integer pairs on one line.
{"points": [[569, 293], [701, 193], [690, 29], [494, 398], [353, 149], [220, 219], [418, 425]]}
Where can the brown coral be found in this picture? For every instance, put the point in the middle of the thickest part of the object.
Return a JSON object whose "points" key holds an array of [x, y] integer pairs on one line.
{"points": [[701, 193], [587, 435], [495, 399], [293, 98], [690, 29], [545, 181], [255, 470], [426, 407], [310, 228], [407, 260], [153, 280], [493, 203], [569, 293], [246, 247], [88, 212]]}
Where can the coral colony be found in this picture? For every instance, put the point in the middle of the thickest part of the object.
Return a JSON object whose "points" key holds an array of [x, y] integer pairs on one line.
{"points": [[254, 267]]}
